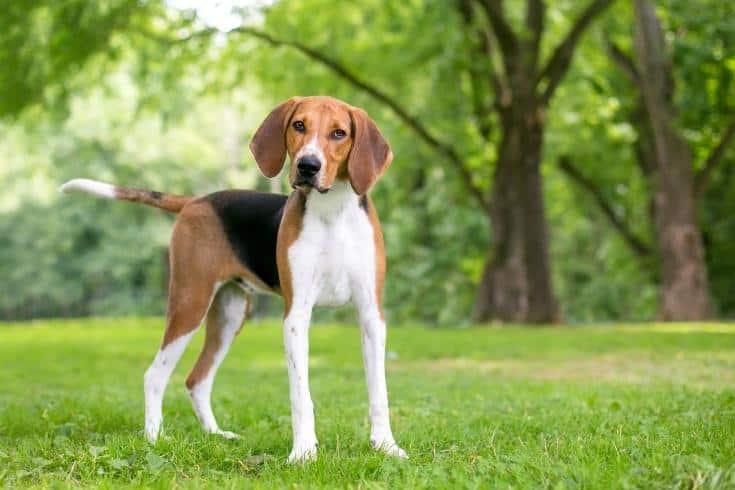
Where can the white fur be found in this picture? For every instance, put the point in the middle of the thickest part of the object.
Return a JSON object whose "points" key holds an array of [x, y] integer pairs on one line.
{"points": [[332, 262], [373, 335], [232, 304], [156, 377], [311, 148], [250, 288], [155, 381], [94, 187]]}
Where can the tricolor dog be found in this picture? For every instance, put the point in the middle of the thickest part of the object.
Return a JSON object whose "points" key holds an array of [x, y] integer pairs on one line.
{"points": [[320, 246]]}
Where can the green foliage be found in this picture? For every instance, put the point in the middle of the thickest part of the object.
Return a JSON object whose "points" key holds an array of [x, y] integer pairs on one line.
{"points": [[600, 102], [44, 43], [436, 239], [596, 274], [77, 255], [703, 52], [633, 406], [144, 95]]}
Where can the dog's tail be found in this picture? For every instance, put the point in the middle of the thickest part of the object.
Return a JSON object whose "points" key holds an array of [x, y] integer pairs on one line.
{"points": [[167, 202]]}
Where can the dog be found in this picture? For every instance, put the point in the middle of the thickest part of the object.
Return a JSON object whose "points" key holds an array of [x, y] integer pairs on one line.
{"points": [[320, 246]]}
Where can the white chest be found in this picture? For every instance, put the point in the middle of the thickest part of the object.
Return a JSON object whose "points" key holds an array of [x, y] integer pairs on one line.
{"points": [[334, 256]]}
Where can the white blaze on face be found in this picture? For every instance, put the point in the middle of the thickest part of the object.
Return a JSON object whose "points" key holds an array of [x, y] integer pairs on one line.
{"points": [[312, 148]]}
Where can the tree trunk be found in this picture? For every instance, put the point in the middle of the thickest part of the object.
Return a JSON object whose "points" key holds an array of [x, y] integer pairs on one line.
{"points": [[684, 293], [516, 283], [503, 291], [543, 307]]}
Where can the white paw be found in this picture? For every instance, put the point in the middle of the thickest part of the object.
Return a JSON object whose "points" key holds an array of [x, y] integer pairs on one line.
{"points": [[226, 434], [389, 447], [152, 431], [303, 452]]}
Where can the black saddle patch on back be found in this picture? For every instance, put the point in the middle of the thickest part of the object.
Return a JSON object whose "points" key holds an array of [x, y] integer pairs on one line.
{"points": [[250, 220]]}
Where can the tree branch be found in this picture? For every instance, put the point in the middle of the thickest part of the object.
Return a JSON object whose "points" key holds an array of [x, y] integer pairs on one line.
{"points": [[535, 15], [623, 61], [560, 60], [634, 243], [480, 106], [171, 41], [507, 39], [714, 159], [500, 85], [412, 122]]}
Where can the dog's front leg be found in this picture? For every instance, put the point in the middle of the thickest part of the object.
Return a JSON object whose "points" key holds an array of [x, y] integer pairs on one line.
{"points": [[373, 334], [296, 340]]}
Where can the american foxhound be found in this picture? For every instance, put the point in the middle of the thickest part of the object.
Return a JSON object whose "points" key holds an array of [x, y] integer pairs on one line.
{"points": [[320, 246]]}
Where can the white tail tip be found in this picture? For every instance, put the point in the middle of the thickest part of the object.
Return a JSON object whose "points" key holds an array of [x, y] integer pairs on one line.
{"points": [[93, 187]]}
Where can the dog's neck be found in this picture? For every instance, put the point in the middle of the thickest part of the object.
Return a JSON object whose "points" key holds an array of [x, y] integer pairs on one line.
{"points": [[331, 205]]}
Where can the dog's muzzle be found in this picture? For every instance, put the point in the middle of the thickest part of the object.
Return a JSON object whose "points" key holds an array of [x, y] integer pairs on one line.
{"points": [[307, 168]]}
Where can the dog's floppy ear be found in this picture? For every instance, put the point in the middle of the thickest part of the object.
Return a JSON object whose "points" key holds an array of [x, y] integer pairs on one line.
{"points": [[370, 155], [268, 145]]}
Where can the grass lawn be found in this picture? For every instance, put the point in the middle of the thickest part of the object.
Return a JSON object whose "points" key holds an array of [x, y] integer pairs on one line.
{"points": [[595, 407]]}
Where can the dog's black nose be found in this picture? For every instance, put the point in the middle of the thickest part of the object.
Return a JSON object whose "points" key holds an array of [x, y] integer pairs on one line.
{"points": [[308, 165]]}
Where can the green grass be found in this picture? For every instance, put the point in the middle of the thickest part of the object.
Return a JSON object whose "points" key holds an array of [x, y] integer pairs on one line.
{"points": [[593, 407]]}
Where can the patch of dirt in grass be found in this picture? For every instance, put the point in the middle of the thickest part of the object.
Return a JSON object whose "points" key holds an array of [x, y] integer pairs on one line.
{"points": [[711, 369]]}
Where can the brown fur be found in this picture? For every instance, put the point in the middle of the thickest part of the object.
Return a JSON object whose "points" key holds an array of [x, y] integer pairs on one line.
{"points": [[194, 274], [268, 145], [380, 259], [212, 343], [361, 156], [202, 257], [167, 202], [321, 116], [370, 155], [288, 232]]}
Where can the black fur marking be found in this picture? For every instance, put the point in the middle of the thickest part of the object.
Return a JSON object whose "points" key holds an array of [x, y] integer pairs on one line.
{"points": [[156, 195], [364, 203], [251, 220]]}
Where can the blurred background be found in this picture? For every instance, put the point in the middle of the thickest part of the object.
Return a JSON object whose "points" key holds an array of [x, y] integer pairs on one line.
{"points": [[568, 161]]}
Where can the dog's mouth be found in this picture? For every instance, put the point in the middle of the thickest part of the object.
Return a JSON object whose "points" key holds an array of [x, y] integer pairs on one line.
{"points": [[306, 184]]}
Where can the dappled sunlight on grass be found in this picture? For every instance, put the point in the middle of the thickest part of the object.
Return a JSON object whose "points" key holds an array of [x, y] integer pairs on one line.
{"points": [[711, 370], [719, 327]]}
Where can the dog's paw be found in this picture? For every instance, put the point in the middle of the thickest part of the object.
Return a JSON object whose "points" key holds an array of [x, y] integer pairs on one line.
{"points": [[152, 431], [389, 447], [303, 452], [151, 435], [226, 434]]}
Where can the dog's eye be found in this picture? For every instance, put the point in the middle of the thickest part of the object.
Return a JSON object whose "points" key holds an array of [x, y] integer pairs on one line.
{"points": [[338, 134], [299, 126]]}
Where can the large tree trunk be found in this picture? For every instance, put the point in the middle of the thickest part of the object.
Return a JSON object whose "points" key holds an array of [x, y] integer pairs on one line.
{"points": [[516, 283], [543, 307], [684, 293], [503, 291]]}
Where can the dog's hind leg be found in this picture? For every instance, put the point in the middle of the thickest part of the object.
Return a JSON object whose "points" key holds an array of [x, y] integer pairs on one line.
{"points": [[224, 321], [186, 309]]}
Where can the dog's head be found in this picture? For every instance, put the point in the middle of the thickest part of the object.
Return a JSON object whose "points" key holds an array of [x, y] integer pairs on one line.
{"points": [[326, 140]]}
